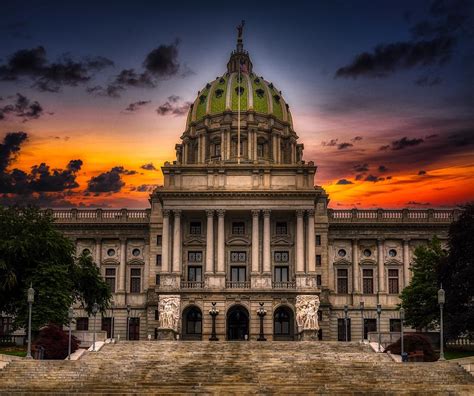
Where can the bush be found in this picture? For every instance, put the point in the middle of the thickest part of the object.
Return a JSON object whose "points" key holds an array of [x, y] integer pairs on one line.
{"points": [[414, 342], [55, 341]]}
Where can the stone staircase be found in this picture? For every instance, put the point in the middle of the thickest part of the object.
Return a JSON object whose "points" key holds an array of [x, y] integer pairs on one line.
{"points": [[167, 367]]}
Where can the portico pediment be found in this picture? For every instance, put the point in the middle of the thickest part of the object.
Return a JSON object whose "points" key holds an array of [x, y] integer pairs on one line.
{"points": [[194, 241], [342, 261], [282, 241], [366, 261]]}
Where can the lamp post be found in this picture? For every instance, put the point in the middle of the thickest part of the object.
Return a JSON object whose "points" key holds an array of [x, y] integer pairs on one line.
{"points": [[213, 312], [346, 311], [362, 319], [402, 318], [30, 299], [70, 315], [95, 309], [112, 321], [261, 312], [441, 300], [129, 308], [379, 312]]}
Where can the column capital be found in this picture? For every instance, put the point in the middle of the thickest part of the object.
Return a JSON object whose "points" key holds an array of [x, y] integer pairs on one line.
{"points": [[210, 212], [380, 240], [310, 212], [166, 212], [299, 213], [406, 240], [255, 212], [266, 212], [221, 212], [177, 212]]}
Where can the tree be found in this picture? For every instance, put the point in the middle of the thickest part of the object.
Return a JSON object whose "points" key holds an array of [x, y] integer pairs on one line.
{"points": [[33, 251], [419, 298], [457, 275]]}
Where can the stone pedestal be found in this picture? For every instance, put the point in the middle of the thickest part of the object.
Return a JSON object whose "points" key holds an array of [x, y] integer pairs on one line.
{"points": [[261, 281], [308, 335], [215, 281], [170, 281], [166, 335]]}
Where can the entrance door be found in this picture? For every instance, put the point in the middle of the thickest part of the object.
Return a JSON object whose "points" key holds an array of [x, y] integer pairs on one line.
{"points": [[370, 325], [237, 323], [341, 329], [134, 328], [107, 326]]}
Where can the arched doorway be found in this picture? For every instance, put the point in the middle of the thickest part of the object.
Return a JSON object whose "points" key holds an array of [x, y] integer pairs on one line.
{"points": [[192, 323], [283, 324], [237, 323]]}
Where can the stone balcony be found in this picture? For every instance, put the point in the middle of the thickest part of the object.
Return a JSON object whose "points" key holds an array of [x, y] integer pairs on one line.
{"points": [[101, 215], [393, 215]]}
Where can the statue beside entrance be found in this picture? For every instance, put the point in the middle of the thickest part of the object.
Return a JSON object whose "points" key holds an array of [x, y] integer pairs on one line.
{"points": [[168, 310], [307, 317]]}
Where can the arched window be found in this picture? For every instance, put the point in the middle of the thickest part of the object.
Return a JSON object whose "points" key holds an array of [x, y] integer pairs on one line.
{"points": [[192, 323], [283, 324]]}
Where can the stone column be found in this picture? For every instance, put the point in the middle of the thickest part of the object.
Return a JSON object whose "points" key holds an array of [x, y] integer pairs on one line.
{"points": [[185, 153], [255, 151], [210, 241], [222, 145], [249, 144], [165, 264], [381, 269], [123, 264], [227, 142], [220, 241], [406, 262], [299, 241], [355, 267], [204, 144], [266, 241], [177, 241], [255, 241], [310, 243], [98, 247]]}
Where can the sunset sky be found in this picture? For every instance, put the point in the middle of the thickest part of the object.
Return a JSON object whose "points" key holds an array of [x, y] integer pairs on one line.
{"points": [[381, 93]]}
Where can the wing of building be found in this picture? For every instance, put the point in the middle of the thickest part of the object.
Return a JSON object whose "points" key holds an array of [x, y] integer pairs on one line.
{"points": [[239, 222]]}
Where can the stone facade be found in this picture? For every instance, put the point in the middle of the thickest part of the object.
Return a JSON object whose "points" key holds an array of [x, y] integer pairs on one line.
{"points": [[239, 221]]}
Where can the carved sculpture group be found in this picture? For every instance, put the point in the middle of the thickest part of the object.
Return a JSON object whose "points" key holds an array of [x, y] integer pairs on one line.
{"points": [[169, 312], [307, 312]]}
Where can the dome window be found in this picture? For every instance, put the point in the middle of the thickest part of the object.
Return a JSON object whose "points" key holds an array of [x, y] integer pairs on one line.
{"points": [[271, 86], [260, 92], [256, 81], [221, 81], [239, 79], [208, 85], [239, 90], [202, 98], [277, 98], [219, 92]]}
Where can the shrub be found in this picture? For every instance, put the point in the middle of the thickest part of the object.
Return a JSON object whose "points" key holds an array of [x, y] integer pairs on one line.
{"points": [[414, 342], [55, 341]]}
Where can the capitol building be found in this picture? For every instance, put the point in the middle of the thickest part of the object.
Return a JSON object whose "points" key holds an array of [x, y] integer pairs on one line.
{"points": [[240, 226]]}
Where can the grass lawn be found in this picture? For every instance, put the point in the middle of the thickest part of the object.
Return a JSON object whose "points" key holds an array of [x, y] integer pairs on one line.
{"points": [[456, 354], [13, 351]]}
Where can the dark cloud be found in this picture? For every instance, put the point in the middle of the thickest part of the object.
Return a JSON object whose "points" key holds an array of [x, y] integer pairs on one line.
{"points": [[402, 143], [132, 107], [361, 167], [356, 139], [23, 108], [10, 148], [344, 181], [342, 146], [331, 143], [112, 91], [149, 167], [173, 105], [421, 173], [163, 61], [108, 182], [130, 78], [374, 179], [427, 81], [383, 168], [360, 176], [50, 76], [415, 203]]}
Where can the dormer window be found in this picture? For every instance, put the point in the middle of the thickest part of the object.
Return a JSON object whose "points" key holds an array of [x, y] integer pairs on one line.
{"points": [[221, 81], [277, 98], [238, 228], [260, 92], [256, 81], [281, 228], [202, 98], [239, 90], [219, 92], [195, 228]]}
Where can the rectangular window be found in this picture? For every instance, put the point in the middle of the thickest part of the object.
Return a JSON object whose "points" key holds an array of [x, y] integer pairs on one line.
{"points": [[195, 274], [318, 281], [341, 329], [110, 278], [238, 228], [367, 281], [158, 259], [159, 240], [195, 257], [370, 326], [238, 257], [157, 279], [217, 150], [395, 326], [281, 274], [281, 228], [106, 326], [238, 274], [393, 281], [259, 150], [342, 281], [318, 240], [318, 260], [6, 325], [195, 227], [82, 324], [135, 280], [281, 257]]}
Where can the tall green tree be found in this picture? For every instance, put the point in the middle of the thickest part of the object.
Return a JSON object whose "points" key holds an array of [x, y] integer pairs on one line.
{"points": [[419, 298], [33, 251], [457, 275]]}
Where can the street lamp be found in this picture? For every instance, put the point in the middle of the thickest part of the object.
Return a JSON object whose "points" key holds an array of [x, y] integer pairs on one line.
{"points": [[346, 310], [129, 308], [213, 312], [379, 312], [70, 315], [95, 309], [402, 318], [441, 301], [261, 312], [30, 299], [112, 321], [362, 319]]}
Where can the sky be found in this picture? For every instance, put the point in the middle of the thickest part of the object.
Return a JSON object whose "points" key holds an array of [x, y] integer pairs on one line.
{"points": [[94, 95]]}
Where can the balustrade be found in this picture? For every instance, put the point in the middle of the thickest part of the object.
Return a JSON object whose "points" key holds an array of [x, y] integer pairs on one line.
{"points": [[392, 215]]}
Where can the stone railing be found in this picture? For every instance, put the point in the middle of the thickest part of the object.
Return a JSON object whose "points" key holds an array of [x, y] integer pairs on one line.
{"points": [[393, 215], [284, 285], [237, 285], [191, 285], [101, 215]]}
